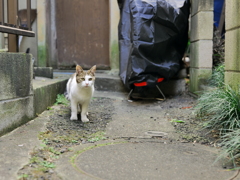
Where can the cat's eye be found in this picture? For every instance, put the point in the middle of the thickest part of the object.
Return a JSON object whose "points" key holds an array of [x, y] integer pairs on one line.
{"points": [[83, 79], [90, 79]]}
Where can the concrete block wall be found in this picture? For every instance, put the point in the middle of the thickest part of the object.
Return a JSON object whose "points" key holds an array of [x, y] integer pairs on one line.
{"points": [[232, 44], [201, 35], [16, 92], [45, 94]]}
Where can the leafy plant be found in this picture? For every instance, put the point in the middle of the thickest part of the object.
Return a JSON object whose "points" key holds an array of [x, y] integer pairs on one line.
{"points": [[61, 100], [217, 78], [48, 164]]}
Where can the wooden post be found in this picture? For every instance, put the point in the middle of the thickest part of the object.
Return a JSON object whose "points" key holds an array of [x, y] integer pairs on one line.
{"points": [[2, 11], [29, 15], [12, 8], [222, 19]]}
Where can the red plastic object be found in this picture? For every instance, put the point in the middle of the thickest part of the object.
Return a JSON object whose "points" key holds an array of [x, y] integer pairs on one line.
{"points": [[160, 80], [140, 84]]}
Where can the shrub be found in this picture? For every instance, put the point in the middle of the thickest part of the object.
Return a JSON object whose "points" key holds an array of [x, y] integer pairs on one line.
{"points": [[231, 146], [219, 108]]}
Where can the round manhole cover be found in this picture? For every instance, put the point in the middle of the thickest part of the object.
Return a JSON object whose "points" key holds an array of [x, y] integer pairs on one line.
{"points": [[150, 161]]}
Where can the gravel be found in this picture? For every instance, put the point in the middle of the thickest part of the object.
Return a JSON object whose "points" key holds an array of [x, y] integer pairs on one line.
{"points": [[62, 134]]}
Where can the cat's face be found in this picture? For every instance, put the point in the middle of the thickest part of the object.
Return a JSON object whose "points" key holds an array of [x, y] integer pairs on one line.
{"points": [[85, 79]]}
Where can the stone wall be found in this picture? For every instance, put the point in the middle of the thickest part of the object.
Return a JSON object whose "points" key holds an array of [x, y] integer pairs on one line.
{"points": [[16, 92], [201, 34], [232, 44]]}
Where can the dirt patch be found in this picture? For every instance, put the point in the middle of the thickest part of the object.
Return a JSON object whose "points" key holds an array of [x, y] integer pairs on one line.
{"points": [[181, 112], [62, 134]]}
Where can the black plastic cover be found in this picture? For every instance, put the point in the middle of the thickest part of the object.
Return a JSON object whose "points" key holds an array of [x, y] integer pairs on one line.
{"points": [[153, 36]]}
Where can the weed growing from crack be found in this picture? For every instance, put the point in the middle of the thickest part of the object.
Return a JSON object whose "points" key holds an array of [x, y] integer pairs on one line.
{"points": [[22, 176], [47, 164], [97, 137]]}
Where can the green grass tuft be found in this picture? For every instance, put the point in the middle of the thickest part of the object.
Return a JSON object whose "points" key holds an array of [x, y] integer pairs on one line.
{"points": [[231, 146], [219, 109], [217, 78]]}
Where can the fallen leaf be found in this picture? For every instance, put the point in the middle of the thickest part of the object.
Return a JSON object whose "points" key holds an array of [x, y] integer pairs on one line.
{"points": [[177, 121], [186, 107]]}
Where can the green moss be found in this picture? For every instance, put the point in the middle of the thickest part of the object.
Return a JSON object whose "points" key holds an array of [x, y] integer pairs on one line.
{"points": [[42, 56], [114, 55]]}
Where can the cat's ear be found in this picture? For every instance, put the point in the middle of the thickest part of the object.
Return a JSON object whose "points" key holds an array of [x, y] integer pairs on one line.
{"points": [[93, 70], [79, 69]]}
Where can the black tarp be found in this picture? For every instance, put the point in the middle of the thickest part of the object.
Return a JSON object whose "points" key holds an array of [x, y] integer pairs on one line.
{"points": [[153, 36]]}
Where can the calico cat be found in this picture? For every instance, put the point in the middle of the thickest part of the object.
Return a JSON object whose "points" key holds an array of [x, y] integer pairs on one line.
{"points": [[80, 88]]}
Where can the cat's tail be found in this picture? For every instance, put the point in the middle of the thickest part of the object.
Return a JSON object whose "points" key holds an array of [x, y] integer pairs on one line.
{"points": [[66, 95]]}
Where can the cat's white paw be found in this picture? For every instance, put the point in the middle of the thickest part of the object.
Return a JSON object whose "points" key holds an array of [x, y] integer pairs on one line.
{"points": [[85, 119], [73, 118]]}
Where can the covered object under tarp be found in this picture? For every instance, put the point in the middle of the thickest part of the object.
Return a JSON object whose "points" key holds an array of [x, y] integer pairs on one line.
{"points": [[153, 36]]}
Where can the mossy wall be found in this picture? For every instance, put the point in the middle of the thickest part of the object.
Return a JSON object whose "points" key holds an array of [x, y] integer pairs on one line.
{"points": [[16, 92], [114, 56], [114, 20], [42, 56]]}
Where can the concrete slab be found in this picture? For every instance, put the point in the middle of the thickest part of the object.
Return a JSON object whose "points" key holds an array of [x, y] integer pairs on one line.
{"points": [[135, 119], [149, 160], [17, 145], [15, 112], [46, 91], [43, 72], [16, 76]]}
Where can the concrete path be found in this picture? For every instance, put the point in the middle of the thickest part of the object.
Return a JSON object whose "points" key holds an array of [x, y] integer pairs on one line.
{"points": [[132, 153], [141, 144]]}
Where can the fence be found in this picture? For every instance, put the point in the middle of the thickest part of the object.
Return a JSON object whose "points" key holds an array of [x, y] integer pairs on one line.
{"points": [[18, 22]]}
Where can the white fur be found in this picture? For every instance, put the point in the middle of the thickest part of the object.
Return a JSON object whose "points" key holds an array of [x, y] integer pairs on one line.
{"points": [[80, 95]]}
